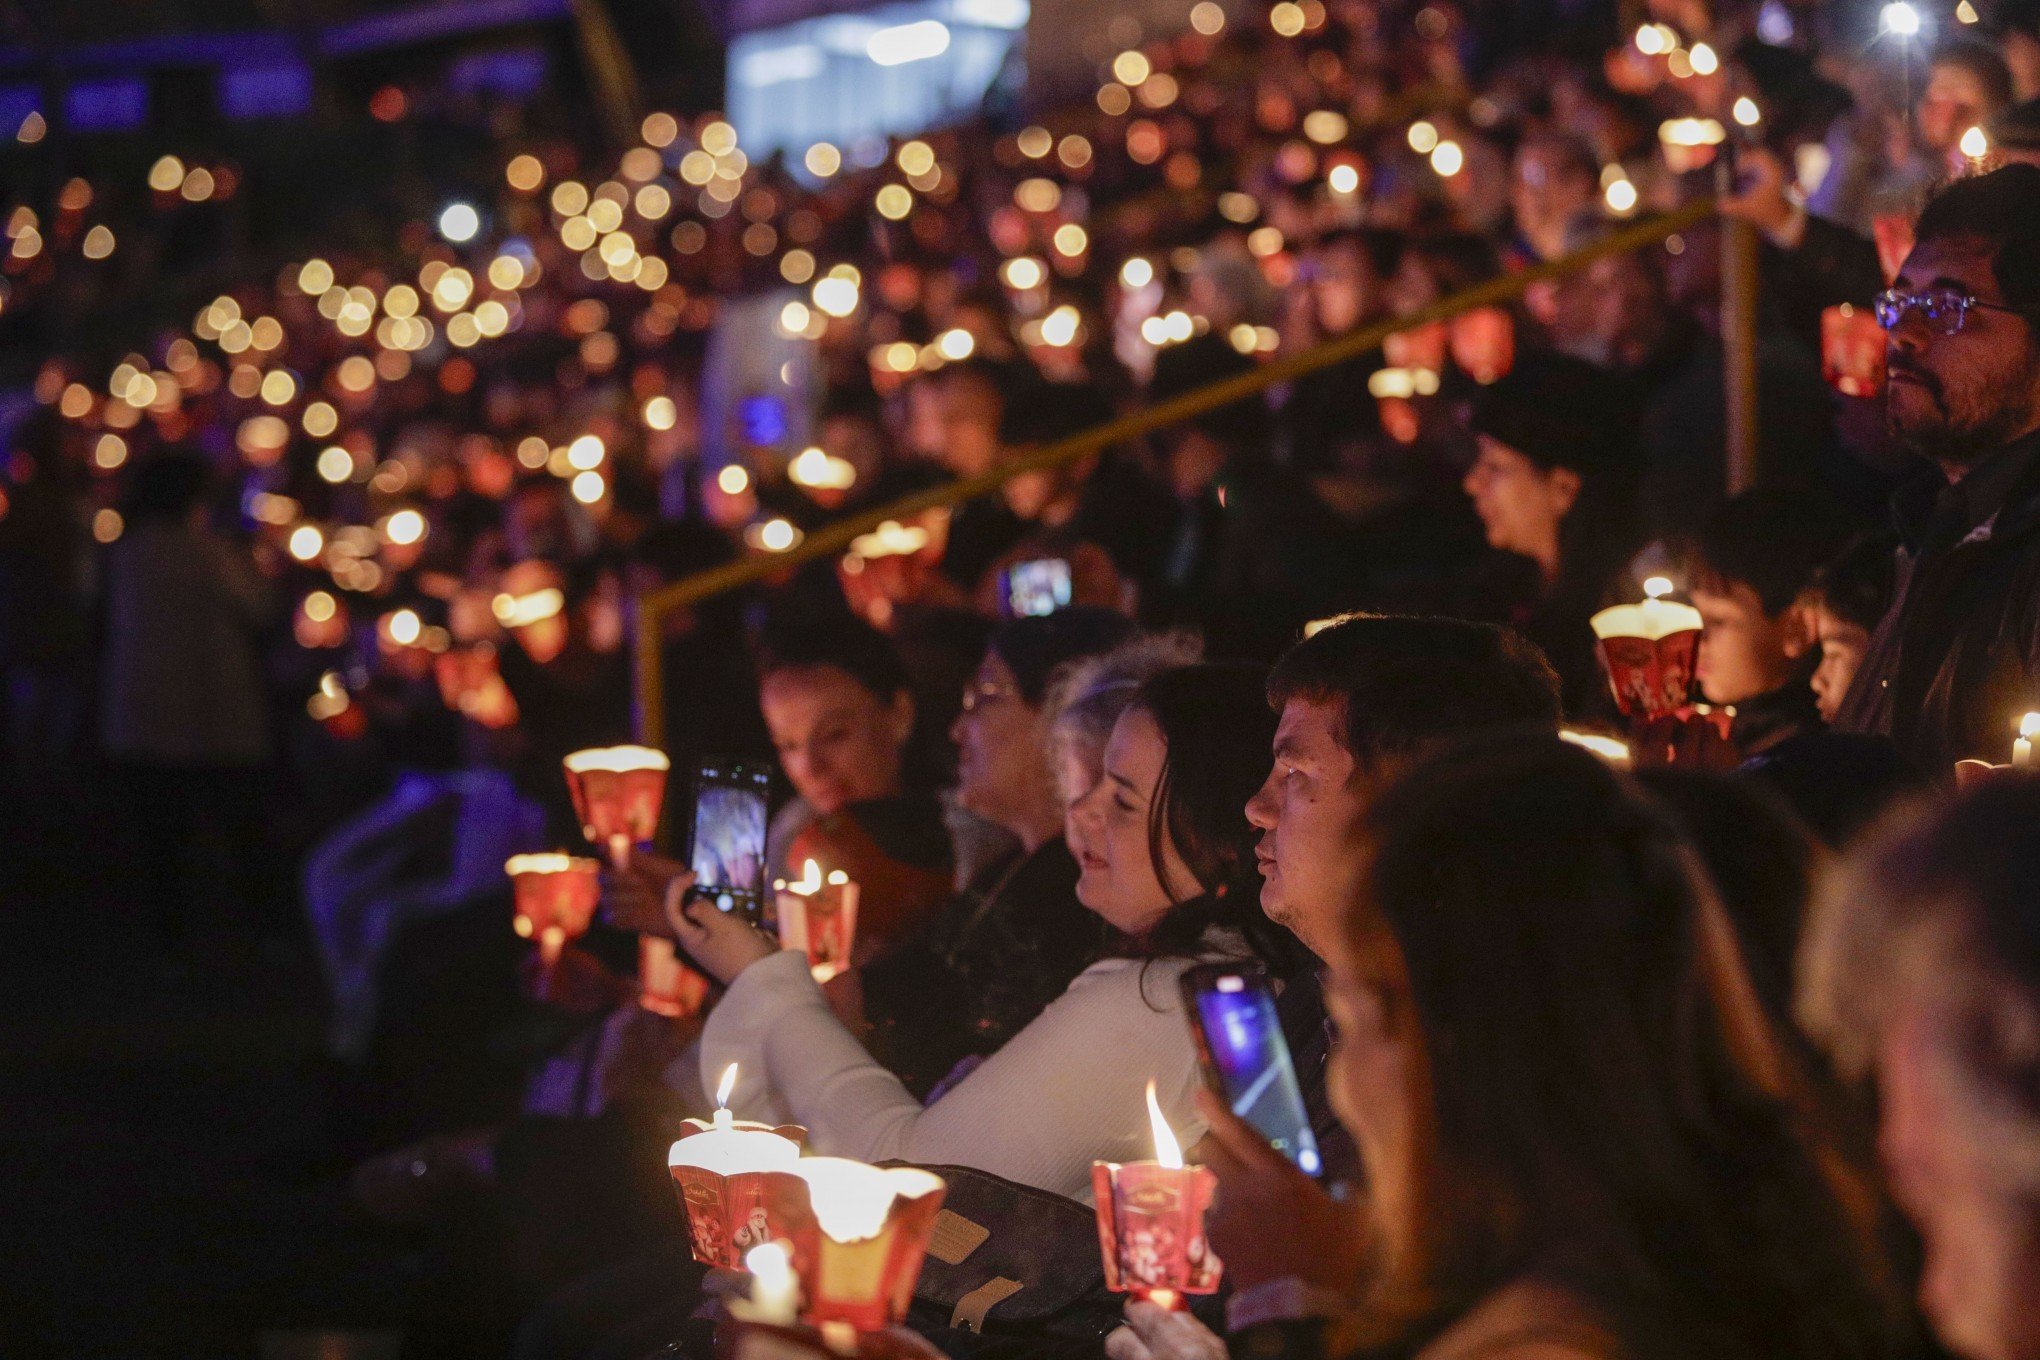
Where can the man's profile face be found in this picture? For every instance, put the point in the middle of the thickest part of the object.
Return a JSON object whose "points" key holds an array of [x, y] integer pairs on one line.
{"points": [[1306, 811], [1956, 398]]}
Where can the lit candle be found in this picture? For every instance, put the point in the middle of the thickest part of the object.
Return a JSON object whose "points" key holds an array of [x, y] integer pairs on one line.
{"points": [[555, 898], [617, 792], [818, 915], [735, 1180], [1975, 146], [775, 1290], [863, 1241], [1649, 650], [1151, 1221], [2022, 746]]}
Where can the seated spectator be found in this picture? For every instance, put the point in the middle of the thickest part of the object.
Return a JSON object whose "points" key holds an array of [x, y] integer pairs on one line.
{"points": [[840, 715], [1922, 972], [1356, 703], [1554, 487], [1582, 1138], [1749, 564], [1169, 871]]}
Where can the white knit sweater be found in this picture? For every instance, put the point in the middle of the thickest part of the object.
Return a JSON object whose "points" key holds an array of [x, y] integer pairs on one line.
{"points": [[1067, 1090]]}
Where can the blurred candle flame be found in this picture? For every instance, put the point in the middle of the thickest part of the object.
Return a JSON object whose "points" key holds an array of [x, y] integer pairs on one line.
{"points": [[1168, 1152], [725, 1086]]}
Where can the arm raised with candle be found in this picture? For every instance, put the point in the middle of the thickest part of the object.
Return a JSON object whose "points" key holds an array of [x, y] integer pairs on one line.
{"points": [[1068, 1090]]}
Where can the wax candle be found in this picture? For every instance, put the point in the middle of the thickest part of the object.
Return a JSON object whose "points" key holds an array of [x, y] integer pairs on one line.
{"points": [[859, 1250], [1151, 1221], [736, 1182], [618, 792], [775, 1289], [2022, 745], [818, 915], [555, 898]]}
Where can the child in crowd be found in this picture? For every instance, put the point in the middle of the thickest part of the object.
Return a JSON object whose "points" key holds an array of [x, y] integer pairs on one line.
{"points": [[1749, 564], [1842, 605]]}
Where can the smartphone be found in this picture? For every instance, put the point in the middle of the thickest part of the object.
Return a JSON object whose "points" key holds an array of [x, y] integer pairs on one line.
{"points": [[1246, 1059], [728, 856], [1030, 589]]}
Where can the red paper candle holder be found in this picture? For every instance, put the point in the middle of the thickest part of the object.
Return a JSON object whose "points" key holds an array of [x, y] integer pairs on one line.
{"points": [[666, 986], [1649, 650], [818, 915], [555, 897], [859, 1249], [1151, 1221], [618, 792], [737, 1185]]}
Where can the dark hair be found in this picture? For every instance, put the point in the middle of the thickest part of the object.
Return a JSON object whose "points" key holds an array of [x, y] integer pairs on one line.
{"points": [[1772, 540], [1611, 1104], [1407, 684], [1762, 859], [1559, 411], [1034, 648], [1855, 584], [2001, 207], [1217, 734], [799, 640], [1982, 62]]}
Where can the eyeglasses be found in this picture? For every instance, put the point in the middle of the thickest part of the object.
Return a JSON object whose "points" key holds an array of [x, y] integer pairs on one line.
{"points": [[1944, 309], [979, 693]]}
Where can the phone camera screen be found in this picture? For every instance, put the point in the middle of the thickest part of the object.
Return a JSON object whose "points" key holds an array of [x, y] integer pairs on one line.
{"points": [[1253, 1065], [729, 838], [1039, 587]]}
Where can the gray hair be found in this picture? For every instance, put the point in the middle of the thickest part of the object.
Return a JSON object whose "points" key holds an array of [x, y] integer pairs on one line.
{"points": [[1087, 696]]}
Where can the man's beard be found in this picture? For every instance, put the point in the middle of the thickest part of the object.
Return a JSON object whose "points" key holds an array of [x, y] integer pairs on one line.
{"points": [[1954, 445]]}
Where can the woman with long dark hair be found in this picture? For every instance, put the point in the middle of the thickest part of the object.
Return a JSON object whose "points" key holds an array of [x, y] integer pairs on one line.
{"points": [[1166, 858], [1582, 1138]]}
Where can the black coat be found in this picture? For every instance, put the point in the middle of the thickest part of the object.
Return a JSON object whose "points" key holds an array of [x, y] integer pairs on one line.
{"points": [[1956, 661]]}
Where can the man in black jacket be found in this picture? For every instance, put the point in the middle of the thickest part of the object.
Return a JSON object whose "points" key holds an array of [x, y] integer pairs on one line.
{"points": [[1956, 661]]}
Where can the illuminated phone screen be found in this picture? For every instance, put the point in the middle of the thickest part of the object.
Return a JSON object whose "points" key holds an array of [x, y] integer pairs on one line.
{"points": [[729, 837], [1251, 1060]]}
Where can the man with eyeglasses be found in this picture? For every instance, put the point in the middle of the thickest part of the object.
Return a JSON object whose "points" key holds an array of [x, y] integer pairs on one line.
{"points": [[1956, 660]]}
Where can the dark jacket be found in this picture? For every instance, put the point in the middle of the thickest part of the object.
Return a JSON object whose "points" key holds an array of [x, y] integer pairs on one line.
{"points": [[991, 959], [1956, 660]]}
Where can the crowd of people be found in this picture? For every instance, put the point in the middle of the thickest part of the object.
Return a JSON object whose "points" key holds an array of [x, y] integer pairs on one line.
{"points": [[1731, 1052]]}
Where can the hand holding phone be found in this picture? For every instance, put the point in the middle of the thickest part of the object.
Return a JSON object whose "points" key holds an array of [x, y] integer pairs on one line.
{"points": [[1246, 1059]]}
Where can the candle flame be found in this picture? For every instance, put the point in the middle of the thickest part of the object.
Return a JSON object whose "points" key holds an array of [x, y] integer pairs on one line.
{"points": [[1167, 1150], [725, 1086], [810, 881], [1657, 587], [771, 1269], [2029, 726], [1975, 144]]}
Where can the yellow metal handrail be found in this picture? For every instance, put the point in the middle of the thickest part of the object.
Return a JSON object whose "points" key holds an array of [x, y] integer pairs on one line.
{"points": [[837, 537]]}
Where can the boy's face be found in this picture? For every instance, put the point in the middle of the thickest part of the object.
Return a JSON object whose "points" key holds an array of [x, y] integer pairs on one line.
{"points": [[1842, 645], [1744, 652]]}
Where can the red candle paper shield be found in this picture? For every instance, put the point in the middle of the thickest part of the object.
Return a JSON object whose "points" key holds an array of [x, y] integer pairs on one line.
{"points": [[1483, 343], [556, 897], [738, 1188], [1649, 650], [859, 1252], [1852, 350], [666, 985], [1151, 1229], [618, 791], [819, 917]]}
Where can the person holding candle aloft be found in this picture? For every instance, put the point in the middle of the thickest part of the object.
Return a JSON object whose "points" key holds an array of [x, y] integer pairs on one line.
{"points": [[1172, 874], [1583, 1139]]}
